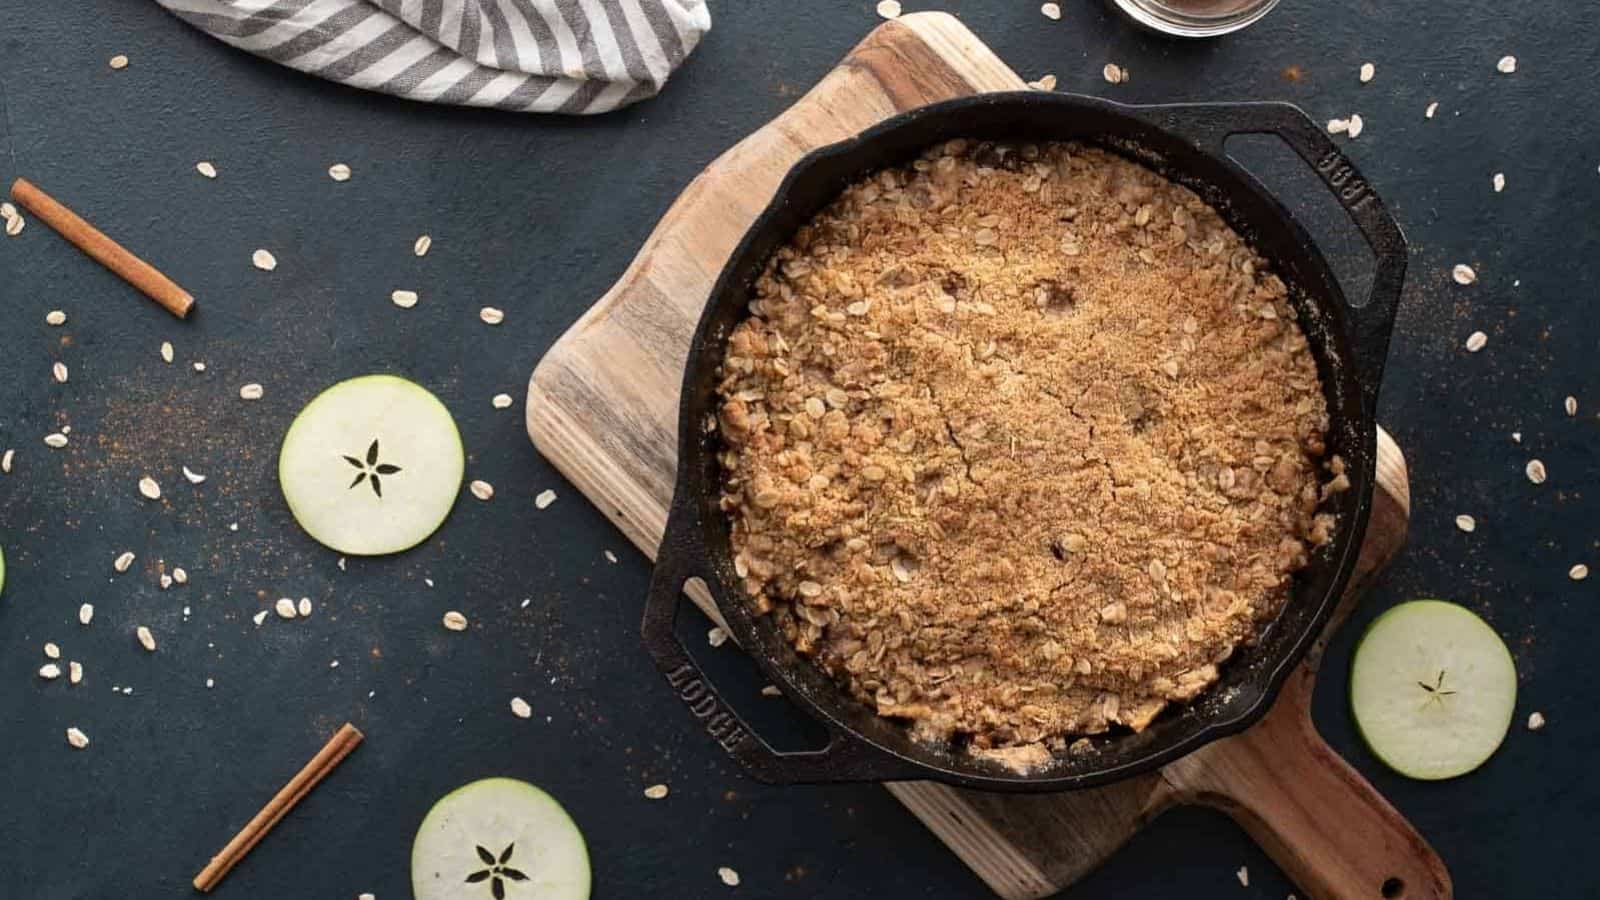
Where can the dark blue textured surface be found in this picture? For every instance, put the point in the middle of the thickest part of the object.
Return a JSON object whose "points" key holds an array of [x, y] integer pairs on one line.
{"points": [[538, 217]]}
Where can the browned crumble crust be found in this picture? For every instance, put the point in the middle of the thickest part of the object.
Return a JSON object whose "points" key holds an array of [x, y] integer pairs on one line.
{"points": [[1021, 443]]}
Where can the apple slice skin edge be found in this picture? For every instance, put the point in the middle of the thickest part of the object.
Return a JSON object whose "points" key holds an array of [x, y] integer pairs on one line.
{"points": [[1490, 650]]}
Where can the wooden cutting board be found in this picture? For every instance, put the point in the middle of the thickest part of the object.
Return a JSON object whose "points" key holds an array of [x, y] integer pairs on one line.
{"points": [[602, 406]]}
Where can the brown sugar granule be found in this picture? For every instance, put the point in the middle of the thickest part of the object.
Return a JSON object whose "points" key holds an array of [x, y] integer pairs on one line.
{"points": [[1020, 443]]}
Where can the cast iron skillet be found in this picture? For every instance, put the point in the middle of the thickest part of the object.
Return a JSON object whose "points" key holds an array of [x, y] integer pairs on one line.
{"points": [[1185, 144]]}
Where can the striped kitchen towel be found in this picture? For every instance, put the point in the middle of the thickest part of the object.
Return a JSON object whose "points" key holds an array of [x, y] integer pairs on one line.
{"points": [[564, 56]]}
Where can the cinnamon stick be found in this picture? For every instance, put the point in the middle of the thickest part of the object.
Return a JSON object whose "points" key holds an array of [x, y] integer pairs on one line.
{"points": [[326, 760], [104, 250]]}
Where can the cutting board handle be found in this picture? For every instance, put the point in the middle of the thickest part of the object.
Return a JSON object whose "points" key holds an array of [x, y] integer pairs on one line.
{"points": [[1329, 829]]}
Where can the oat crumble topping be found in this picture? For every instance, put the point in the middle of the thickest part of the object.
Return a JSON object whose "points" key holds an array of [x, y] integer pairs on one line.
{"points": [[1021, 442]]}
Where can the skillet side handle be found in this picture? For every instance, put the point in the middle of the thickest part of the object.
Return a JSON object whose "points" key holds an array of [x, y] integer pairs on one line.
{"points": [[1372, 321], [1329, 829], [845, 758]]}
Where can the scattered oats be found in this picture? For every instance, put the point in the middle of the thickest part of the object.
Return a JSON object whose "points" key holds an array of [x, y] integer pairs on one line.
{"points": [[1338, 126], [199, 367], [1045, 83], [193, 476], [58, 371], [1506, 65], [770, 690], [656, 792], [284, 608], [729, 877], [166, 581], [483, 490], [1114, 74], [149, 488], [66, 429], [166, 352], [404, 299], [341, 564], [74, 672], [334, 664], [1466, 523], [123, 561], [211, 683], [339, 172], [233, 526], [51, 651], [180, 576], [77, 739], [1535, 721], [264, 260], [491, 315], [1476, 340], [455, 621], [1050, 11], [251, 391], [1516, 437], [204, 167], [1464, 274], [55, 317], [1355, 126], [1570, 405], [15, 224], [1432, 108], [545, 498], [1578, 572], [716, 637], [428, 582], [1535, 470], [889, 9], [304, 609], [7, 211], [49, 671], [1244, 871], [56, 440], [611, 557], [501, 401], [146, 639], [421, 247], [5, 461], [526, 601], [120, 61], [86, 614], [520, 708], [259, 617], [1367, 71], [1499, 181], [127, 691]]}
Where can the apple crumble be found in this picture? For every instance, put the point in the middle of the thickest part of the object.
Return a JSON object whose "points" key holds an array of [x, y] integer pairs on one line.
{"points": [[1020, 442]]}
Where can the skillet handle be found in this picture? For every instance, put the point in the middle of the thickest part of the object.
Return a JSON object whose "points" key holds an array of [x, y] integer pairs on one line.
{"points": [[1373, 321], [846, 756]]}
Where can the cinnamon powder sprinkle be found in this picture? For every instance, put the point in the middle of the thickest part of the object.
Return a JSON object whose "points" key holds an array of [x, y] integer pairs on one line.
{"points": [[1021, 443]]}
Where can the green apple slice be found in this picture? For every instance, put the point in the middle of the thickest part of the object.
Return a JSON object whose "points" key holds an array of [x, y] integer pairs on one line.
{"points": [[372, 465], [499, 839], [1433, 689]]}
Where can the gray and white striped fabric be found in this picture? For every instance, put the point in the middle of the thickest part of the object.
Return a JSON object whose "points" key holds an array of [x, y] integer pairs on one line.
{"points": [[562, 56]]}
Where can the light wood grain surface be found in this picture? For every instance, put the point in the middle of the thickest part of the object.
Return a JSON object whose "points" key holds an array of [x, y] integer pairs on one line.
{"points": [[602, 406]]}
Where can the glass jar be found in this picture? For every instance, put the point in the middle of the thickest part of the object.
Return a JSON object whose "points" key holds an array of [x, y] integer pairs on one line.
{"points": [[1196, 18]]}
